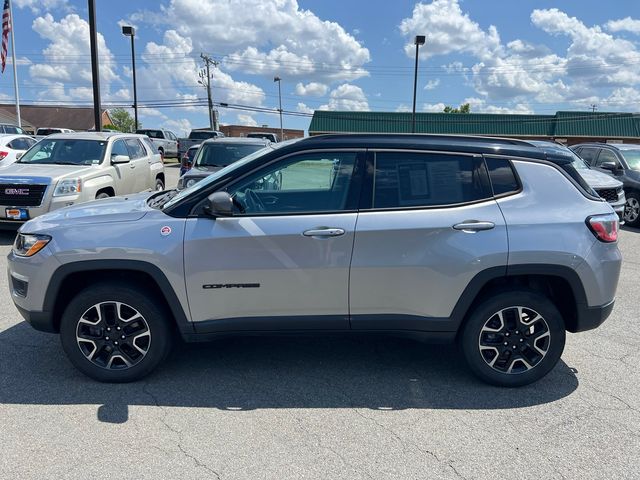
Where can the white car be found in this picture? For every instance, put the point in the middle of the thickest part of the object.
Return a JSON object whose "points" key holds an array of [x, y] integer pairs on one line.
{"points": [[12, 147]]}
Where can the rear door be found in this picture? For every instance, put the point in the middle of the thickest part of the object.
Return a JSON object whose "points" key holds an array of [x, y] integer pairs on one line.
{"points": [[282, 262], [139, 165], [430, 224]]}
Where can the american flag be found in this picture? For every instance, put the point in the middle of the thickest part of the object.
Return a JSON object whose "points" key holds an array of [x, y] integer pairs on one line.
{"points": [[6, 28]]}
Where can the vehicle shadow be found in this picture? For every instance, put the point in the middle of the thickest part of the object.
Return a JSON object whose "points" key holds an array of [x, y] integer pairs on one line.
{"points": [[241, 373]]}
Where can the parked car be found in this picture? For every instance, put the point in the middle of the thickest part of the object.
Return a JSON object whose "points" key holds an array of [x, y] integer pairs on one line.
{"points": [[476, 240], [165, 141], [12, 147], [606, 187], [11, 129], [196, 137], [187, 159], [69, 168], [43, 132], [272, 137], [213, 155], [622, 161]]}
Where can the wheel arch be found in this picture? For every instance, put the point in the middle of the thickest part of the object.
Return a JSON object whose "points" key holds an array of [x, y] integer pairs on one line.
{"points": [[560, 283], [71, 278]]}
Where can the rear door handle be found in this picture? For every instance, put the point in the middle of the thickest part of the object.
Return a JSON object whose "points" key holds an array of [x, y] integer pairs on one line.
{"points": [[472, 226], [323, 232]]}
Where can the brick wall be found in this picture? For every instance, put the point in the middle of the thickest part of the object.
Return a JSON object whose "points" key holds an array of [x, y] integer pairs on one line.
{"points": [[242, 131]]}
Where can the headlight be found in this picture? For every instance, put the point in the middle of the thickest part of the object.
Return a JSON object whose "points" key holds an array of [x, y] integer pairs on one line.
{"points": [[191, 181], [70, 186], [29, 245]]}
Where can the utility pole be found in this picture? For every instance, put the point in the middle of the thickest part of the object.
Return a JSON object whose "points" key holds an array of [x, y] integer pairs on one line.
{"points": [[419, 40], [213, 123], [95, 69], [279, 80], [593, 107]]}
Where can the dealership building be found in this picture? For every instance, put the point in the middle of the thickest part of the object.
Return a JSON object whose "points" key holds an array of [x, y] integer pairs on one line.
{"points": [[563, 127]]}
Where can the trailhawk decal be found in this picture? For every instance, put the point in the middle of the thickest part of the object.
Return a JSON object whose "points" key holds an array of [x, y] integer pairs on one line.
{"points": [[217, 286]]}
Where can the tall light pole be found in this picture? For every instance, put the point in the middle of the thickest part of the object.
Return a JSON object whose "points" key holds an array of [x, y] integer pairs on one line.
{"points": [[279, 80], [129, 31], [95, 69], [419, 40]]}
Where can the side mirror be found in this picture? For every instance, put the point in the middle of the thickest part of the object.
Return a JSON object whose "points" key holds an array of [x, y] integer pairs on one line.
{"points": [[611, 166], [120, 159], [219, 204]]}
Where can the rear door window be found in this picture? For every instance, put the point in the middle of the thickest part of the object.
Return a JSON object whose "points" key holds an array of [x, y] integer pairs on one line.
{"points": [[406, 179], [136, 150]]}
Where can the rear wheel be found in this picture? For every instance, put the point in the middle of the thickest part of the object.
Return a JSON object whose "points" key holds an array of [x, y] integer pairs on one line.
{"points": [[115, 332], [513, 338], [632, 210], [161, 152]]}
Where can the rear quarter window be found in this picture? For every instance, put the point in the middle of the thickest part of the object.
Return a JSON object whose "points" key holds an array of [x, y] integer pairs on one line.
{"points": [[503, 177]]}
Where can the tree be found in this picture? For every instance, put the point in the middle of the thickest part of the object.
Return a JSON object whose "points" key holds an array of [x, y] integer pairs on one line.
{"points": [[122, 120], [464, 108]]}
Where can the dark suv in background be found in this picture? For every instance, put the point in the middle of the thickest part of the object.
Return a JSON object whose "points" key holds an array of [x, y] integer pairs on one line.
{"points": [[621, 161]]}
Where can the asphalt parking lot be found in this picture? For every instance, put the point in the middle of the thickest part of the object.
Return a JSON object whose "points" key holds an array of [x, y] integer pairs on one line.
{"points": [[326, 408]]}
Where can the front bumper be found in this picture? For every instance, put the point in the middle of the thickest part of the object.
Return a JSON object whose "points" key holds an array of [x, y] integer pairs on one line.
{"points": [[42, 321], [49, 204]]}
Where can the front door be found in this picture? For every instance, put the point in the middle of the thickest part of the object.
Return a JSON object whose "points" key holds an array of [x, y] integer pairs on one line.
{"points": [[124, 179], [282, 262], [139, 165]]}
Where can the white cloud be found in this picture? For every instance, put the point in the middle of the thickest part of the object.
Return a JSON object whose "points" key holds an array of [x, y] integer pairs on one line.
{"points": [[432, 84], [303, 108], [403, 108], [432, 107], [66, 59], [315, 89], [519, 72], [627, 24], [171, 63], [268, 37], [247, 120], [347, 97], [479, 105]]}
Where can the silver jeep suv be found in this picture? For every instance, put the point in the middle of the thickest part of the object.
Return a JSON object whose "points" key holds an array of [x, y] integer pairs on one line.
{"points": [[475, 240]]}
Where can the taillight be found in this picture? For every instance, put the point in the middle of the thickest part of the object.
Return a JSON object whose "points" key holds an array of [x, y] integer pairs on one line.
{"points": [[3, 154], [604, 227]]}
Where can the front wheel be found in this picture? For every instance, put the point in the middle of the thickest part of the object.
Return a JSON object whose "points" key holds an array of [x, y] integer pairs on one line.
{"points": [[513, 338], [159, 185], [632, 210], [115, 332]]}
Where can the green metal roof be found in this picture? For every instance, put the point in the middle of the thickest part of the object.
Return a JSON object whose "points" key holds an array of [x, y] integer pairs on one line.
{"points": [[562, 124]]}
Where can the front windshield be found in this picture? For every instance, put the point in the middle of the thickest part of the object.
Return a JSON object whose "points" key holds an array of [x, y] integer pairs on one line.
{"points": [[632, 157], [66, 151], [223, 154]]}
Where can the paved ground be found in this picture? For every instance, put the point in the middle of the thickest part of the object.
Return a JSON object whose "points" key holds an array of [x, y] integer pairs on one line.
{"points": [[324, 408]]}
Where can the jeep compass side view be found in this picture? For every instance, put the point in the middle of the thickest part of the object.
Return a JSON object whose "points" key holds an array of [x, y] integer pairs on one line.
{"points": [[481, 241]]}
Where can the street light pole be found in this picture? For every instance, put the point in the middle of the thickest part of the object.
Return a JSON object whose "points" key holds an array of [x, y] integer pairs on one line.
{"points": [[129, 31], [95, 69], [419, 40], [279, 80]]}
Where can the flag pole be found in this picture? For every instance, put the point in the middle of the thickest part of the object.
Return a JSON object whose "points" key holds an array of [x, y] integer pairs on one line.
{"points": [[15, 65]]}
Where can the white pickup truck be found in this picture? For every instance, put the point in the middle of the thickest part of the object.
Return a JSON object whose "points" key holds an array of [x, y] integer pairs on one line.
{"points": [[196, 137], [165, 141]]}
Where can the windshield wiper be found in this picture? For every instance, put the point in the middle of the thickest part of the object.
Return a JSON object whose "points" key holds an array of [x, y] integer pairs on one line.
{"points": [[65, 163], [159, 201]]}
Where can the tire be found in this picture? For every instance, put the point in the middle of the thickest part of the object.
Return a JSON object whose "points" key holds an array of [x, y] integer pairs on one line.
{"points": [[523, 360], [102, 195], [632, 210], [126, 310], [161, 152], [159, 185]]}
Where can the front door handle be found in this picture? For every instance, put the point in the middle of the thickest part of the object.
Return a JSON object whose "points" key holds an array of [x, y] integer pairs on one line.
{"points": [[323, 232], [472, 226]]}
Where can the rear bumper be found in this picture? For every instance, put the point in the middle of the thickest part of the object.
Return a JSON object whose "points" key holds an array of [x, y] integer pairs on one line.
{"points": [[592, 317]]}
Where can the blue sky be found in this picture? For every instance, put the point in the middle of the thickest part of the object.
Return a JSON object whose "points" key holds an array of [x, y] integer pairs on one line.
{"points": [[520, 56]]}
